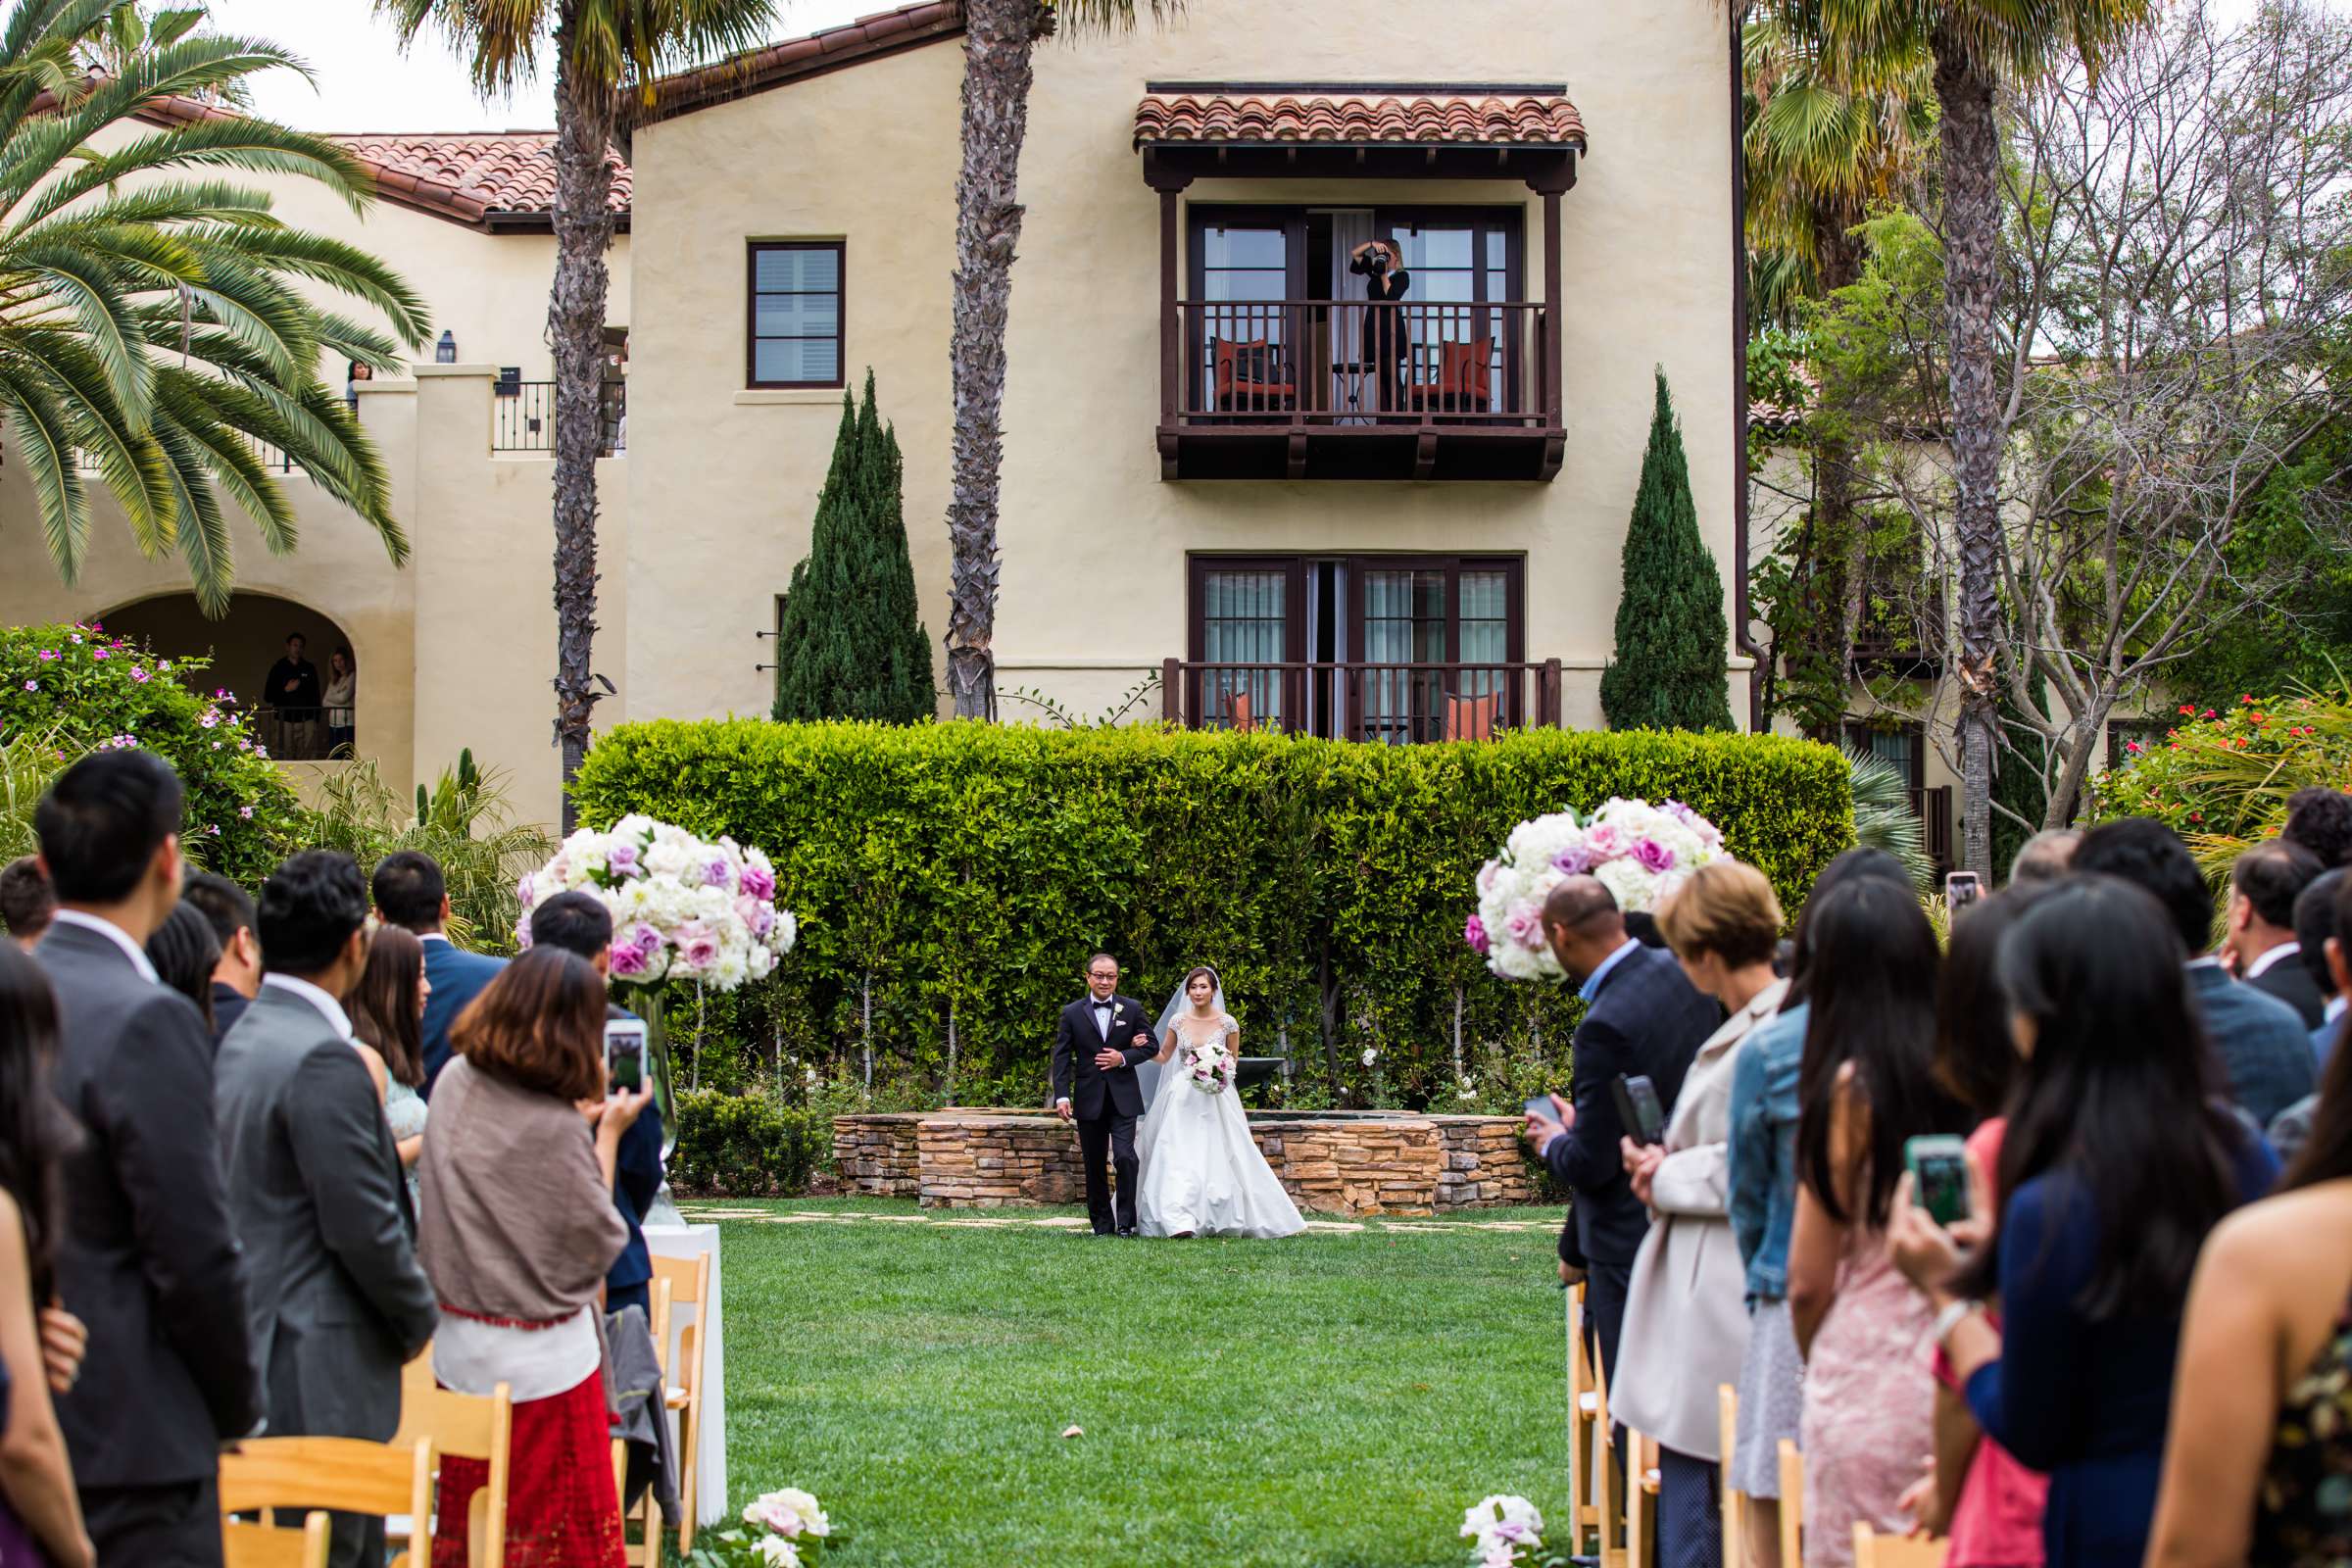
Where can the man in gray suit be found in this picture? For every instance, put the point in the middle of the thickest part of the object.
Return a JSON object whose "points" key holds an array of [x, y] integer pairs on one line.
{"points": [[339, 1302]]}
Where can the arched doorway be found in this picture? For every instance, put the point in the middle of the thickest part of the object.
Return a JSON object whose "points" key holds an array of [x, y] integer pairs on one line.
{"points": [[244, 649]]}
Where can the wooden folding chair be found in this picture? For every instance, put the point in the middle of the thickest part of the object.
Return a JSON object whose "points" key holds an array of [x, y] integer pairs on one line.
{"points": [[464, 1426], [689, 1284], [1584, 1406], [1605, 1482], [1733, 1503], [1640, 1501], [343, 1474], [245, 1544], [1874, 1551], [647, 1512], [1793, 1504]]}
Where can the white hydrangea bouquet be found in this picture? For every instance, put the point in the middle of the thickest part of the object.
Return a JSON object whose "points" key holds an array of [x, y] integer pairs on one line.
{"points": [[683, 908], [1210, 1066], [1639, 850], [780, 1530], [1506, 1532]]}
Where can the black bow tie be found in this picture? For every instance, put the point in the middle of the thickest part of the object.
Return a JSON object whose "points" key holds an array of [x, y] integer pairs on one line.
{"points": [[1102, 1004]]}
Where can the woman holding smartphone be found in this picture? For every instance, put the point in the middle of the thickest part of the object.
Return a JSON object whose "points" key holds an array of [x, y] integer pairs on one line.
{"points": [[518, 1233]]}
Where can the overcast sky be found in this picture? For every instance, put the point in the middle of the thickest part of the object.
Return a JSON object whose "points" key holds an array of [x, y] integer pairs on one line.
{"points": [[363, 83]]}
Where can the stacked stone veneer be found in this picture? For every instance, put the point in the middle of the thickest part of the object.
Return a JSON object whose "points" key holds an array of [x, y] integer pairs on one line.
{"points": [[1403, 1165]]}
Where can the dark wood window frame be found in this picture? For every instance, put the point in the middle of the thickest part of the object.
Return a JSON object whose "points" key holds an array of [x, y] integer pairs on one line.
{"points": [[751, 312], [1295, 566], [1857, 732]]}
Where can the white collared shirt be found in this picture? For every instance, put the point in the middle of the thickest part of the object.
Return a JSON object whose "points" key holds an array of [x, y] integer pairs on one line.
{"points": [[435, 936], [1104, 1012], [2278, 954], [2335, 1008], [115, 934], [328, 1007]]}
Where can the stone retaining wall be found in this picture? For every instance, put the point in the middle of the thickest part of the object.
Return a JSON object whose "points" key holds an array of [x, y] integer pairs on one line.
{"points": [[1403, 1165]]}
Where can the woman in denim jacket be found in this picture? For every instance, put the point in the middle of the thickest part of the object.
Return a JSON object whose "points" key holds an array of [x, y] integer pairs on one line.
{"points": [[1763, 1206]]}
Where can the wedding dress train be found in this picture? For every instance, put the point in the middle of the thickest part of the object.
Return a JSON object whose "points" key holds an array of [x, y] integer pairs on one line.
{"points": [[1202, 1172]]}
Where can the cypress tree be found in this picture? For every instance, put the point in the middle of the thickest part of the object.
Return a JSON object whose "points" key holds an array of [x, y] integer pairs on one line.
{"points": [[851, 642], [1668, 673]]}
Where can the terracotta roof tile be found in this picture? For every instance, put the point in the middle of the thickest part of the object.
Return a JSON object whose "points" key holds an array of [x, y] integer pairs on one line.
{"points": [[777, 63], [1383, 119], [476, 177]]}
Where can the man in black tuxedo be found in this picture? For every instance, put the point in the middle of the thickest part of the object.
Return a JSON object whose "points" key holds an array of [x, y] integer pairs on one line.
{"points": [[1641, 1018], [147, 1255], [1099, 1040]]}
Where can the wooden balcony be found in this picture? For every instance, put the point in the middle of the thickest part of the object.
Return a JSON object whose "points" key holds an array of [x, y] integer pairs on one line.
{"points": [[1397, 703], [1350, 389]]}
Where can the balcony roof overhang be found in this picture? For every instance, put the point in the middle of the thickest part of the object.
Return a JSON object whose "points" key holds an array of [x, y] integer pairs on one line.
{"points": [[1364, 130]]}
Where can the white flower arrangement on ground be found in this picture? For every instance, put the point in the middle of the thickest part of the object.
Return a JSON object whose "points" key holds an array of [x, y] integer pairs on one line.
{"points": [[683, 908], [782, 1529], [1640, 851], [1209, 1068], [1505, 1531]]}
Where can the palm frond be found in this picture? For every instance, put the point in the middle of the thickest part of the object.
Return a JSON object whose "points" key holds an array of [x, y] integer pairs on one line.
{"points": [[1883, 818]]}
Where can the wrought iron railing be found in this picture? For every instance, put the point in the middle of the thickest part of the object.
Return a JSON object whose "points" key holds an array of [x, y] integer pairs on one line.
{"points": [[1346, 364], [522, 417], [1393, 703]]}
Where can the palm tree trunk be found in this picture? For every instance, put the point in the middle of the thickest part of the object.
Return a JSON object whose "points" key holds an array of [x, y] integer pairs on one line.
{"points": [[1971, 248], [585, 111], [1000, 36]]}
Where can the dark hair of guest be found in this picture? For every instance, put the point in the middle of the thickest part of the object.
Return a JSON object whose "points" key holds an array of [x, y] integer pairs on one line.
{"points": [[227, 905], [2327, 1152], [184, 953], [2273, 875], [309, 907], [408, 886], [1874, 1010], [1853, 865], [2149, 855], [540, 1025], [2121, 1090], [1975, 1058], [102, 822], [36, 1134], [383, 1006], [574, 922], [2320, 820], [27, 904]]}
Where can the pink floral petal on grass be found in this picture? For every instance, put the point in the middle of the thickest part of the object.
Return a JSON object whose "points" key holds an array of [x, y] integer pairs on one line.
{"points": [[1073, 1432]]}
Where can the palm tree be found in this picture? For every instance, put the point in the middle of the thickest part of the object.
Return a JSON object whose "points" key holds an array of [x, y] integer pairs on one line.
{"points": [[607, 57], [1975, 44], [1822, 155], [999, 41], [154, 328]]}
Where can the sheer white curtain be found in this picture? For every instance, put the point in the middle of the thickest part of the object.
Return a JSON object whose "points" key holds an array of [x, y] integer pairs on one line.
{"points": [[1349, 228]]}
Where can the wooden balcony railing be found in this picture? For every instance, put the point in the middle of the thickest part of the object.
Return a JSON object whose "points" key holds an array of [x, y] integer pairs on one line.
{"points": [[523, 417], [1357, 364], [1393, 703]]}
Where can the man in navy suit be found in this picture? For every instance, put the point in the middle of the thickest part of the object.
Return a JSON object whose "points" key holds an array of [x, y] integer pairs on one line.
{"points": [[1641, 1018], [410, 893]]}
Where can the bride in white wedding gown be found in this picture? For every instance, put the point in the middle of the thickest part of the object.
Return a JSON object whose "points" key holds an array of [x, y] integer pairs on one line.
{"points": [[1201, 1174]]}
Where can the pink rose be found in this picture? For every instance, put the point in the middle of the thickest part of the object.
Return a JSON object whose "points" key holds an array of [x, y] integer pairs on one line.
{"points": [[627, 962], [698, 945], [1526, 924], [1474, 932], [758, 882], [1653, 856], [718, 873], [1602, 843]]}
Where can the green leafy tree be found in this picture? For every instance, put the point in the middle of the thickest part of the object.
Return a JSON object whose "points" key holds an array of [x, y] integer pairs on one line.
{"points": [[852, 643], [1671, 630], [158, 323]]}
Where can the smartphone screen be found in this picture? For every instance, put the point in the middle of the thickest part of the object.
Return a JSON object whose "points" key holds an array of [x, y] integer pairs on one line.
{"points": [[624, 1054], [1939, 1177], [1638, 1108], [1542, 1105], [1960, 889]]}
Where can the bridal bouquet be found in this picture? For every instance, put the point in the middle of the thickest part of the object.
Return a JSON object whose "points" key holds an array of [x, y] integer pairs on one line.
{"points": [[1639, 850], [1210, 1067], [781, 1530], [683, 908], [1506, 1531]]}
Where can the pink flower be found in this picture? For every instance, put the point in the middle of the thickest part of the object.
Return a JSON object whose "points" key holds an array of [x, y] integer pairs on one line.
{"points": [[718, 873], [245, 811], [627, 962], [48, 654], [97, 652], [211, 716], [522, 891], [698, 945], [1576, 859], [1526, 924], [1474, 933], [32, 685], [1653, 856], [759, 882], [137, 673], [1603, 841], [621, 861]]}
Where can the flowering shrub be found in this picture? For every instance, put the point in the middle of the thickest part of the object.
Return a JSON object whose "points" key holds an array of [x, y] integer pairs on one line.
{"points": [[83, 689], [1639, 852], [683, 908], [780, 1530], [2222, 773], [1504, 1531]]}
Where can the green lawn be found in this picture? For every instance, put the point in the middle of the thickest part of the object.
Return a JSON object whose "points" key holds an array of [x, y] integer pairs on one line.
{"points": [[1335, 1400]]}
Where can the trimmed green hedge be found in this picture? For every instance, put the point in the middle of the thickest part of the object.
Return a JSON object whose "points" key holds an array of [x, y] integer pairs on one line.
{"points": [[961, 875], [747, 1146]]}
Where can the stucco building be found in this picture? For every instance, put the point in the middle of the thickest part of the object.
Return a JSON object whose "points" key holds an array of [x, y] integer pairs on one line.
{"points": [[1226, 460]]}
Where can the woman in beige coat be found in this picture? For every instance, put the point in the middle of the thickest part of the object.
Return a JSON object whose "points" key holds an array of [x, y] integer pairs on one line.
{"points": [[1685, 1315]]}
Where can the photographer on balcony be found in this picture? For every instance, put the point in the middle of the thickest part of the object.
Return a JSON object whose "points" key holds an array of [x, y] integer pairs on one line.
{"points": [[1381, 264]]}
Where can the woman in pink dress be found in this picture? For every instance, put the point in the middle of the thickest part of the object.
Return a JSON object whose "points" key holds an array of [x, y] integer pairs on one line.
{"points": [[1867, 1086]]}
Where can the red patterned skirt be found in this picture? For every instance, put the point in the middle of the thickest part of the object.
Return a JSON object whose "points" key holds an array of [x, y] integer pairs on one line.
{"points": [[561, 1508]]}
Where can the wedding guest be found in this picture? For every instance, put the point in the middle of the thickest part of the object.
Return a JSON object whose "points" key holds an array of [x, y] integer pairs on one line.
{"points": [[2319, 912], [2320, 819], [40, 1516], [147, 1254], [292, 689], [387, 1018], [2265, 1048], [2262, 1410], [2100, 1216], [1976, 1494], [2264, 885], [1641, 1017], [1762, 1201], [410, 893], [26, 903], [1867, 1086], [2045, 856], [578, 924], [342, 682], [184, 953], [1685, 1317], [339, 1302], [518, 1233], [238, 974]]}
